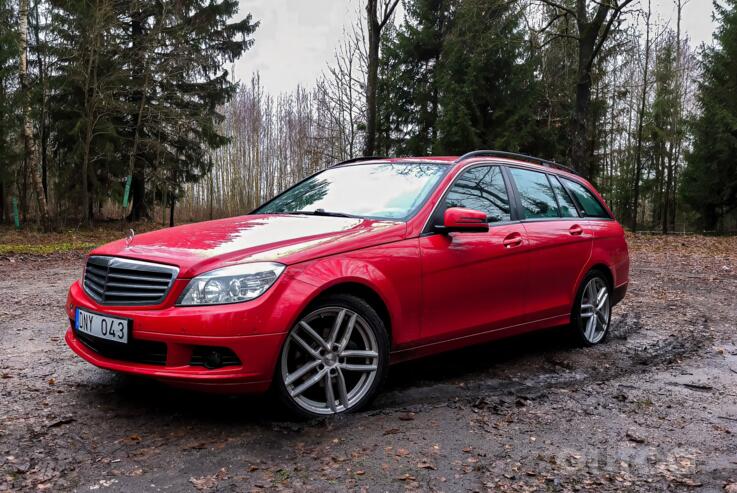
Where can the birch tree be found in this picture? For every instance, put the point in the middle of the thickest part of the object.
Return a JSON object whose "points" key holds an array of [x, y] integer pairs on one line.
{"points": [[29, 140]]}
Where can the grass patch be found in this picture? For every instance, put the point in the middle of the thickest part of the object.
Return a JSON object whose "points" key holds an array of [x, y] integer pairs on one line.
{"points": [[45, 249], [34, 242], [30, 241]]}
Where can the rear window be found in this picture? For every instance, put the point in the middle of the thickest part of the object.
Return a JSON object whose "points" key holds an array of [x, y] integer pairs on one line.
{"points": [[589, 203], [537, 197]]}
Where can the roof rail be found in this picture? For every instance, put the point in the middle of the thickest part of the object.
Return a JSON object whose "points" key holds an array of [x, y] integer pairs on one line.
{"points": [[515, 155], [357, 159]]}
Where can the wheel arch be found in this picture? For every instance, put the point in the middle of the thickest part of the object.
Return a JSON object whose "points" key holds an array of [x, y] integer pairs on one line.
{"points": [[358, 287], [383, 285], [605, 270], [596, 266], [359, 290]]}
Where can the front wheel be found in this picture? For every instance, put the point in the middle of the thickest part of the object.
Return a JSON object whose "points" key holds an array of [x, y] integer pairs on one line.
{"points": [[592, 310], [334, 359]]}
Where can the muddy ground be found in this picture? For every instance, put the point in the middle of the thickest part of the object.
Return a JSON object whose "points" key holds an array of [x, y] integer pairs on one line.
{"points": [[653, 409]]}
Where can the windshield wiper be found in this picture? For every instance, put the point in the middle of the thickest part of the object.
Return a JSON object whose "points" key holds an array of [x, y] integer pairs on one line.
{"points": [[321, 212]]}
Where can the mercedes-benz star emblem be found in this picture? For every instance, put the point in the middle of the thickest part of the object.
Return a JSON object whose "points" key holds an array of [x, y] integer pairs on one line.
{"points": [[129, 237]]}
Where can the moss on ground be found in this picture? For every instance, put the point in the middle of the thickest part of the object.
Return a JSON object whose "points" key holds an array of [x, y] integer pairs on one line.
{"points": [[46, 248]]}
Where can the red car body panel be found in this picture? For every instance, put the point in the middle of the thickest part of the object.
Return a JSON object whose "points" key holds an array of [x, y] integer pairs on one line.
{"points": [[438, 291], [484, 282], [558, 259], [289, 239]]}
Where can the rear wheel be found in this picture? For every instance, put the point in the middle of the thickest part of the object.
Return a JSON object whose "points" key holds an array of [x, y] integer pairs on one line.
{"points": [[334, 359], [593, 309]]}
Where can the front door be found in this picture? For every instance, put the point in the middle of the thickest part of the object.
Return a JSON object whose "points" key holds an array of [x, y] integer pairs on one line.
{"points": [[474, 282]]}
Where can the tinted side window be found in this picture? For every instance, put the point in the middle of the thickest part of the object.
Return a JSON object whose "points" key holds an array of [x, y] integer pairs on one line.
{"points": [[567, 206], [483, 189], [590, 204], [535, 193]]}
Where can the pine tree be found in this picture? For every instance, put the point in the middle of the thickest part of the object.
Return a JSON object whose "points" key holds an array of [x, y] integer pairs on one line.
{"points": [[9, 117], [487, 92], [710, 179], [89, 72], [409, 92], [177, 52], [460, 75], [663, 132]]}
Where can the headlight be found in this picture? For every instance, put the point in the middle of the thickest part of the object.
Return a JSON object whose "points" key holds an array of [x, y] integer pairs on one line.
{"points": [[231, 284]]}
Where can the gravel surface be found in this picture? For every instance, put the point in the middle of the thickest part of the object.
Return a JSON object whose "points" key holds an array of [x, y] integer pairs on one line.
{"points": [[652, 409]]}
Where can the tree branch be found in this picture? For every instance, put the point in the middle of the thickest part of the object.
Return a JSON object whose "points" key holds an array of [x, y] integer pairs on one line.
{"points": [[388, 11], [558, 6], [615, 15]]}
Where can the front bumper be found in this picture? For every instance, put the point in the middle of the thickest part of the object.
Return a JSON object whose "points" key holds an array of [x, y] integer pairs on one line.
{"points": [[253, 331]]}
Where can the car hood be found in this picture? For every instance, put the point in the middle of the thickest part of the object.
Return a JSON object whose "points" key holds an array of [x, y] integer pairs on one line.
{"points": [[200, 247]]}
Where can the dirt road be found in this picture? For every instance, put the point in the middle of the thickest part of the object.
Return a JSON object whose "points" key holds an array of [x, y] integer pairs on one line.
{"points": [[655, 408]]}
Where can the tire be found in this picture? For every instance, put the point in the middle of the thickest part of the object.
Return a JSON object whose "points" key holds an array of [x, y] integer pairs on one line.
{"points": [[316, 353], [590, 322]]}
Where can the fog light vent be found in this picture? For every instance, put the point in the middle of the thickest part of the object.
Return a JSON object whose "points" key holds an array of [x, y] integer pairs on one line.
{"points": [[213, 357]]}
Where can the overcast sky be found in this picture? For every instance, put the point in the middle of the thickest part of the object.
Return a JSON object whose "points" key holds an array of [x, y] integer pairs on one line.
{"points": [[297, 38]]}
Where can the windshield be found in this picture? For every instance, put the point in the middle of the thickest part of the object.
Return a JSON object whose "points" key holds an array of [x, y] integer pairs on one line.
{"points": [[382, 191]]}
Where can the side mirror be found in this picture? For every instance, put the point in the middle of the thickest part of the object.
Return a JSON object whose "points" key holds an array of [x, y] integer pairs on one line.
{"points": [[458, 219]]}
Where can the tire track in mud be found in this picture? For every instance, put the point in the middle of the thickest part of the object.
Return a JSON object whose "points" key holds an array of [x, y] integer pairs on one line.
{"points": [[527, 367]]}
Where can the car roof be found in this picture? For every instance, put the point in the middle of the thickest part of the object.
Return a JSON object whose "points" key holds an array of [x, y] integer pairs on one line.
{"points": [[457, 160]]}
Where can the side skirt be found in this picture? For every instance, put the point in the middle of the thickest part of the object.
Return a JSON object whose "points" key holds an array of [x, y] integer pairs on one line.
{"points": [[478, 338]]}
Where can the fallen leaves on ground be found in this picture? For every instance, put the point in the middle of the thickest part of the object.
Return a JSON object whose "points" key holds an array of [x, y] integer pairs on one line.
{"points": [[206, 483]]}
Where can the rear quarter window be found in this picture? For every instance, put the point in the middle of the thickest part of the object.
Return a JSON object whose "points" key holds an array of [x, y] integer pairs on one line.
{"points": [[588, 202]]}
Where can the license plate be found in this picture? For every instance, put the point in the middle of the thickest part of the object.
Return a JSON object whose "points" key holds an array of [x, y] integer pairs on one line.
{"points": [[102, 326]]}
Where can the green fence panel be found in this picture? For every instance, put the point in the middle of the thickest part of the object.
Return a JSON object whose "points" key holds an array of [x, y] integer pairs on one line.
{"points": [[127, 190]]}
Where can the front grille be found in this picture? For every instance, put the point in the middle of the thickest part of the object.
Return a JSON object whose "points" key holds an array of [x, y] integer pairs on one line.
{"points": [[119, 281], [136, 351]]}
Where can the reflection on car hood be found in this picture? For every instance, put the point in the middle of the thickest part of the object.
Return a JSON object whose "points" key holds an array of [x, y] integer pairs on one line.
{"points": [[200, 247]]}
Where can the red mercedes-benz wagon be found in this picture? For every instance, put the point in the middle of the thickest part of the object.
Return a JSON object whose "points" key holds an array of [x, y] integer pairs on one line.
{"points": [[372, 261]]}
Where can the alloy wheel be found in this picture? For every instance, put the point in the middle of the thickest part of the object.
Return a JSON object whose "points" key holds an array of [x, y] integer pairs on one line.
{"points": [[329, 361], [595, 310]]}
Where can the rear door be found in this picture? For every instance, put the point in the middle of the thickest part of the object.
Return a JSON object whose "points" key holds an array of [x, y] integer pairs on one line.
{"points": [[560, 242], [474, 282]]}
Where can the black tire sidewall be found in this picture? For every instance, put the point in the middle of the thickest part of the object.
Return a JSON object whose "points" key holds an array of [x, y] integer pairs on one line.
{"points": [[375, 324], [576, 323]]}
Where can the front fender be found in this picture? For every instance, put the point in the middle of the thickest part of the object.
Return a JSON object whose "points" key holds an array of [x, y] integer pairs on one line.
{"points": [[391, 271]]}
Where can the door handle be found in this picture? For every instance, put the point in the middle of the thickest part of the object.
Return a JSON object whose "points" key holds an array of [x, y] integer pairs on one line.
{"points": [[576, 230], [512, 240]]}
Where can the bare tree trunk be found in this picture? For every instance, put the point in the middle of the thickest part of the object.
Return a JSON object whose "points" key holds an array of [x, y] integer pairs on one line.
{"points": [[680, 101], [86, 175], [89, 103], [172, 203], [135, 164], [29, 142], [374, 36], [592, 34], [581, 151], [668, 185], [641, 122], [43, 118], [375, 26], [4, 203]]}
